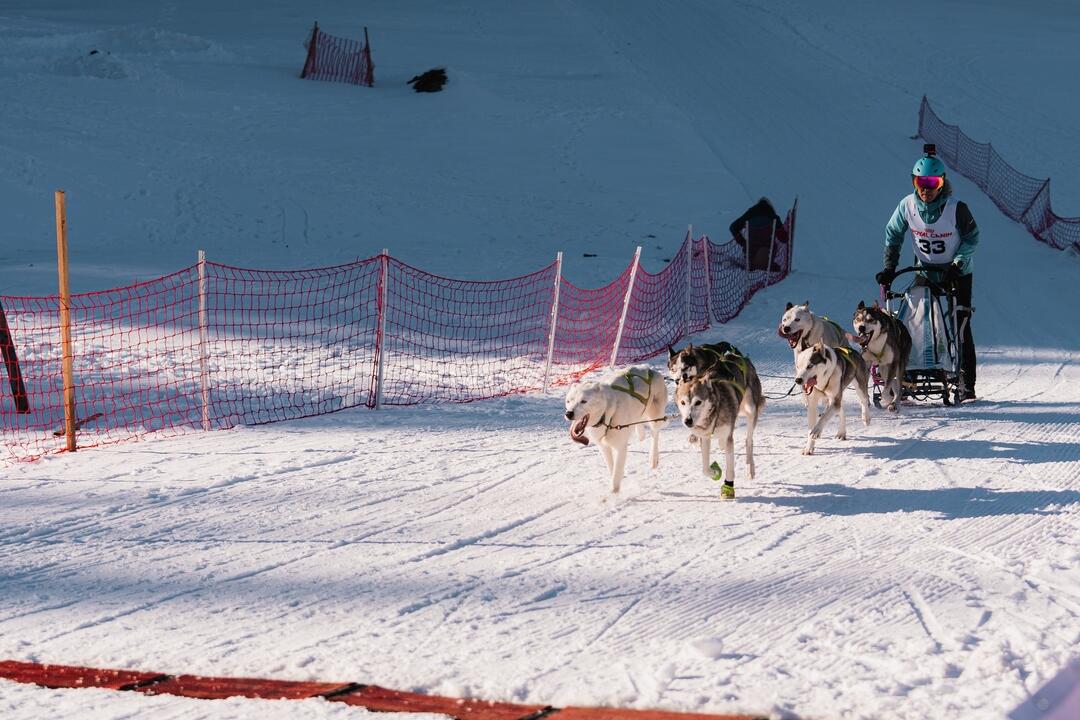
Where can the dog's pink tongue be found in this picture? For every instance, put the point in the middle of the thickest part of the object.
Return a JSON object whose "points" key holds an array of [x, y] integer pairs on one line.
{"points": [[577, 430], [808, 385]]}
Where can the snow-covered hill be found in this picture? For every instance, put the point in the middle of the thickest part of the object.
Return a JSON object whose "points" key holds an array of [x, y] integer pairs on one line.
{"points": [[926, 567]]}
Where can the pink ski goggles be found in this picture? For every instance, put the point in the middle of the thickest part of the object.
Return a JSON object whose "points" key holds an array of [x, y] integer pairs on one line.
{"points": [[929, 182]]}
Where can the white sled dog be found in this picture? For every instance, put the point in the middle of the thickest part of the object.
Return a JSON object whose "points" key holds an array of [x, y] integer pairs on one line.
{"points": [[606, 410], [824, 373], [710, 403], [885, 342]]}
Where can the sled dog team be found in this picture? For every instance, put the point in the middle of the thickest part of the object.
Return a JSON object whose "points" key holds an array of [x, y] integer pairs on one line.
{"points": [[715, 384]]}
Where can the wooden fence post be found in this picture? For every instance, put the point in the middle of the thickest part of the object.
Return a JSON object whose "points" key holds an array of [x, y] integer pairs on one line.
{"points": [[380, 337], [67, 366]]}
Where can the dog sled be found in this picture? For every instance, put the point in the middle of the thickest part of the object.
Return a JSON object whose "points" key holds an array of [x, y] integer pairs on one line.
{"points": [[936, 323]]}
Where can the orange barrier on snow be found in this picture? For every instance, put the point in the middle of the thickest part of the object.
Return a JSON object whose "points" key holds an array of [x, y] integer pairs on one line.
{"points": [[211, 688], [371, 697], [381, 699], [67, 676]]}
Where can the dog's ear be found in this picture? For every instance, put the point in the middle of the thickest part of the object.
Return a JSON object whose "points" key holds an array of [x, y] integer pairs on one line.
{"points": [[671, 353], [806, 304], [876, 306], [690, 347], [862, 305], [788, 307]]}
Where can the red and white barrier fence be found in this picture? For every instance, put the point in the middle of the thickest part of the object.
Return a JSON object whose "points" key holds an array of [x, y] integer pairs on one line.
{"points": [[338, 59], [213, 346]]}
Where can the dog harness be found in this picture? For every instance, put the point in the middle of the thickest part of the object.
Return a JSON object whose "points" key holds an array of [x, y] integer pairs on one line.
{"points": [[629, 375], [847, 354], [876, 356], [733, 362]]}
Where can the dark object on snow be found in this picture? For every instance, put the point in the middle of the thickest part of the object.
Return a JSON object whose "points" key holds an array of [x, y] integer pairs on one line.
{"points": [[758, 222], [588, 254], [430, 81], [11, 362]]}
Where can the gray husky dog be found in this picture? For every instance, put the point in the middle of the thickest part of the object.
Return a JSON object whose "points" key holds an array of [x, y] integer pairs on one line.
{"points": [[710, 403], [824, 373], [885, 342], [688, 363]]}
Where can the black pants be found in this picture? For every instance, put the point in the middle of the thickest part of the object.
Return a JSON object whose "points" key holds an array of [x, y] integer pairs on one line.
{"points": [[967, 359]]}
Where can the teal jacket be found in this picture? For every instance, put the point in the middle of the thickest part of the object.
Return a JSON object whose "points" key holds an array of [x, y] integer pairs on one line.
{"points": [[897, 227]]}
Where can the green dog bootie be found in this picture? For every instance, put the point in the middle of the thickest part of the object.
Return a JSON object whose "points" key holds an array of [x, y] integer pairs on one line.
{"points": [[717, 473], [727, 491]]}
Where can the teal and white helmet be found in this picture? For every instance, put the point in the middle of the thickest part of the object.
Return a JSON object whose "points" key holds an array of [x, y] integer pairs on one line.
{"points": [[929, 164]]}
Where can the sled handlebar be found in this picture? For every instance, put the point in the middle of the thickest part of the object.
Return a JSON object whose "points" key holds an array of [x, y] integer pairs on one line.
{"points": [[935, 287]]}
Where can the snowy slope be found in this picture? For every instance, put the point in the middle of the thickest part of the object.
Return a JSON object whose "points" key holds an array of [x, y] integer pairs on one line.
{"points": [[926, 567]]}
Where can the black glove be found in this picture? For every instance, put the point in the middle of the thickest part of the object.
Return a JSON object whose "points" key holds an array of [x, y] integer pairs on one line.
{"points": [[886, 276], [953, 272]]}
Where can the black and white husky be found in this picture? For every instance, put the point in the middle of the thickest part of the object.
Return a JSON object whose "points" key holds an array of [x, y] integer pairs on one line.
{"points": [[711, 402], [885, 342], [688, 363], [824, 373]]}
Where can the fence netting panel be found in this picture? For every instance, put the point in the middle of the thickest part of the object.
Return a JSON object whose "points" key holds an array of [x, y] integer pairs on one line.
{"points": [[134, 350], [451, 340], [663, 308], [588, 321], [289, 344], [152, 358], [338, 59], [1021, 197]]}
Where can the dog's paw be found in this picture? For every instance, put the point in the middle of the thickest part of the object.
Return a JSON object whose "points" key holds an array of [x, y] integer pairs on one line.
{"points": [[693, 440], [891, 407], [841, 436], [808, 450]]}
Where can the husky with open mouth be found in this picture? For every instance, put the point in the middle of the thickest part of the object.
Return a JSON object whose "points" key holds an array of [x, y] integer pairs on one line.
{"points": [[605, 411], [885, 342], [802, 328], [823, 373]]}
